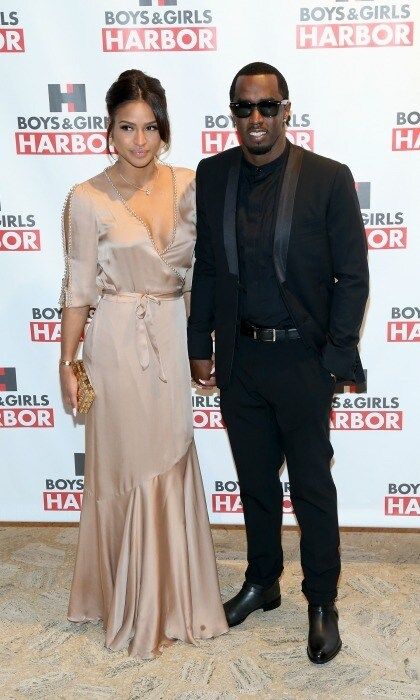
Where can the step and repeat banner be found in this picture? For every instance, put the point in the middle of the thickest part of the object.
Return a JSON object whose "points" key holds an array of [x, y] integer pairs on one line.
{"points": [[351, 66]]}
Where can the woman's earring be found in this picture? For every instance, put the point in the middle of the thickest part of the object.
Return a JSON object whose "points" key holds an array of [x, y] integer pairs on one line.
{"points": [[163, 149]]}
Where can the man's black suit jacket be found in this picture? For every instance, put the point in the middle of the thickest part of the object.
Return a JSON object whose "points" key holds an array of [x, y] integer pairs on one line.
{"points": [[320, 261]]}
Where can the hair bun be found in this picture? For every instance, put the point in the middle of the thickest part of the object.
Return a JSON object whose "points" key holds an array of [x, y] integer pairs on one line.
{"points": [[131, 73], [133, 85]]}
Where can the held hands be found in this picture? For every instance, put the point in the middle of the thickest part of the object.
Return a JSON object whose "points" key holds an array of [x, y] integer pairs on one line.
{"points": [[69, 388], [202, 373]]}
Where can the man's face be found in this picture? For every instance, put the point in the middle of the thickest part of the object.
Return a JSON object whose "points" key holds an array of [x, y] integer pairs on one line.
{"points": [[261, 136]]}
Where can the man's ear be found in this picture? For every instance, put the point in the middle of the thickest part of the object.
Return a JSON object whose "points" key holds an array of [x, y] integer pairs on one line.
{"points": [[287, 111]]}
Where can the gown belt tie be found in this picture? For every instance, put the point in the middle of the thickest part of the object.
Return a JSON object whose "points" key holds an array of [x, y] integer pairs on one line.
{"points": [[145, 332]]}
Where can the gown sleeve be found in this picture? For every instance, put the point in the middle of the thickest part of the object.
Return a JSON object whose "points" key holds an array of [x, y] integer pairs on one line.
{"points": [[80, 243], [192, 215]]}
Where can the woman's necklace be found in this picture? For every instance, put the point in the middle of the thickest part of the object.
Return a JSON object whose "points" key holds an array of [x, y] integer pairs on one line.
{"points": [[146, 190]]}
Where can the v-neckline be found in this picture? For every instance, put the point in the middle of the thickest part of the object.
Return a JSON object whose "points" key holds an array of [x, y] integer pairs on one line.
{"points": [[160, 253], [131, 211]]}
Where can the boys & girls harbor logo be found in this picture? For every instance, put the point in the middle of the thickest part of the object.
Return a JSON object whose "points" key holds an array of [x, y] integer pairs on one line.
{"points": [[226, 499], [352, 409], [159, 25], [55, 134], [63, 493], [402, 499], [18, 232], [406, 133], [206, 411], [384, 229], [45, 324], [404, 326], [12, 39], [350, 24], [219, 133], [362, 412], [22, 410]]}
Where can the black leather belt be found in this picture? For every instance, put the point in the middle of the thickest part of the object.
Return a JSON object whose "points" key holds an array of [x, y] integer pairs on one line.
{"points": [[268, 335]]}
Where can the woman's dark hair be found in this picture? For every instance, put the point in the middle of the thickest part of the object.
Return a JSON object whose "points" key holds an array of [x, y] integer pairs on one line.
{"points": [[135, 85]]}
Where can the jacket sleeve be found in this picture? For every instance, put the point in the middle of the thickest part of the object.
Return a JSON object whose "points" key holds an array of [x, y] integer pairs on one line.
{"points": [[201, 319], [349, 258]]}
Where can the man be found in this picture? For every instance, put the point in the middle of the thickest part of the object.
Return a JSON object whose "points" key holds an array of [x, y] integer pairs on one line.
{"points": [[281, 276]]}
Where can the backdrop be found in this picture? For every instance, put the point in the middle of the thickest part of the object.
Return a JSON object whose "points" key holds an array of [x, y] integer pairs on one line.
{"points": [[350, 69]]}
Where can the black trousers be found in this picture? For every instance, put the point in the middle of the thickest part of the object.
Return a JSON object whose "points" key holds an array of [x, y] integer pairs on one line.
{"points": [[277, 406]]}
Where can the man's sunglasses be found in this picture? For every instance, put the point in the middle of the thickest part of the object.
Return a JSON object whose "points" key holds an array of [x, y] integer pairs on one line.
{"points": [[267, 108]]}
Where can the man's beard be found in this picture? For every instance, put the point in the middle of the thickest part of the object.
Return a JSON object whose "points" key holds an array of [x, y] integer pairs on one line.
{"points": [[262, 149], [259, 150]]}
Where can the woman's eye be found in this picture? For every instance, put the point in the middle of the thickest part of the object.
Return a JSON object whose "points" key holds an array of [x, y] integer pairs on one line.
{"points": [[151, 127], [126, 127]]}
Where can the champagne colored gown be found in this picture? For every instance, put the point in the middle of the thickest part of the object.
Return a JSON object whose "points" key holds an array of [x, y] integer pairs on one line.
{"points": [[145, 562]]}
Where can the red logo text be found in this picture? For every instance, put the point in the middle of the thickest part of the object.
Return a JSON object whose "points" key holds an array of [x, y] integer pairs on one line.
{"points": [[11, 40], [402, 505], [207, 418], [349, 36], [26, 418], [218, 141], [50, 143], [231, 503], [57, 500], [19, 239], [386, 238], [406, 139], [403, 331], [366, 420], [160, 39], [45, 331]]}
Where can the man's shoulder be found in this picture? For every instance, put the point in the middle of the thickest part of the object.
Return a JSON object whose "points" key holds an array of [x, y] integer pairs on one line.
{"points": [[320, 163], [220, 161]]}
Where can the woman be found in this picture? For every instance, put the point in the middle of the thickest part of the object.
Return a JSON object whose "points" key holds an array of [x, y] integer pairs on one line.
{"points": [[145, 561]]}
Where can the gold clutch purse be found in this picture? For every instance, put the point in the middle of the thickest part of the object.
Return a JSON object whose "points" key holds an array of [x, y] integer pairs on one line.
{"points": [[85, 392]]}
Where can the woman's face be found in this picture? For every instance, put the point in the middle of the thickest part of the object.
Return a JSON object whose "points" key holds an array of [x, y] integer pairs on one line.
{"points": [[135, 135]]}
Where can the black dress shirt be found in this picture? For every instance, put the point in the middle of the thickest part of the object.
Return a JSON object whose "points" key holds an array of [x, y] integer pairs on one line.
{"points": [[259, 188]]}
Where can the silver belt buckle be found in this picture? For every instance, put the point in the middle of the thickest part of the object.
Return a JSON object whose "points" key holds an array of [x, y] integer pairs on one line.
{"points": [[255, 333], [273, 339]]}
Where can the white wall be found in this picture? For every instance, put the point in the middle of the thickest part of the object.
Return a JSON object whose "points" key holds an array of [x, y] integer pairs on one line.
{"points": [[351, 103]]}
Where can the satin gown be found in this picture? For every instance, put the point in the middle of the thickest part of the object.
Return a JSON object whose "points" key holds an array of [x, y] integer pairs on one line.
{"points": [[145, 562]]}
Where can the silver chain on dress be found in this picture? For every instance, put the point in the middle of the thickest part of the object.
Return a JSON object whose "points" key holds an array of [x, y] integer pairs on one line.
{"points": [[65, 296], [160, 253]]}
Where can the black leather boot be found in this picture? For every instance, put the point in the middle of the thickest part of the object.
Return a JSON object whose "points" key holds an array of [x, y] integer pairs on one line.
{"points": [[324, 638], [251, 597]]}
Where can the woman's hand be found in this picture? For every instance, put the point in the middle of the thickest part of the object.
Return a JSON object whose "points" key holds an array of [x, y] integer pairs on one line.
{"points": [[69, 387], [73, 320]]}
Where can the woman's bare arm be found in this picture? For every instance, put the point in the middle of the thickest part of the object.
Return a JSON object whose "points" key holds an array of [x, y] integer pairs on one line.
{"points": [[73, 321]]}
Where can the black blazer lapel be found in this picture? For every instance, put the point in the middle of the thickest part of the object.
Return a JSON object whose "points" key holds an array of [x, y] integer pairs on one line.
{"points": [[285, 211], [229, 214]]}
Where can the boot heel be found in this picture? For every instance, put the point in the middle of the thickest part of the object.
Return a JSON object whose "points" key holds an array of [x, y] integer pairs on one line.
{"points": [[274, 604]]}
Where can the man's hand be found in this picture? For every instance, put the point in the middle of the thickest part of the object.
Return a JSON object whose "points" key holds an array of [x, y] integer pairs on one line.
{"points": [[201, 373]]}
